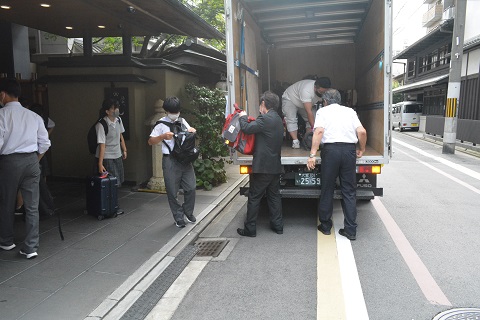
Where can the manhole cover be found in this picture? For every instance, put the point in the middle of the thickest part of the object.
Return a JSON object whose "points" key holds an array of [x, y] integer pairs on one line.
{"points": [[459, 314], [208, 248]]}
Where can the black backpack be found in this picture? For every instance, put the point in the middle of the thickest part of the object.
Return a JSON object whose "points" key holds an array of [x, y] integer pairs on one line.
{"points": [[184, 150], [92, 135]]}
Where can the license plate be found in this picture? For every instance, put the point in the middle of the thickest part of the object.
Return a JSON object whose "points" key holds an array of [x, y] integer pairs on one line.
{"points": [[414, 124], [307, 179]]}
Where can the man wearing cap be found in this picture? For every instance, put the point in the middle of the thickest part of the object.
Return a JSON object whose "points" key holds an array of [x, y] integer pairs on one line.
{"points": [[23, 141], [300, 98], [339, 129]]}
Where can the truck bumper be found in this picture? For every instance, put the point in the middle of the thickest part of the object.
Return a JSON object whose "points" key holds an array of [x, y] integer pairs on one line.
{"points": [[362, 194]]}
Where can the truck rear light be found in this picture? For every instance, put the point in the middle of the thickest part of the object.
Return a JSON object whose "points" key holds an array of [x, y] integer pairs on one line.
{"points": [[369, 169], [245, 169]]}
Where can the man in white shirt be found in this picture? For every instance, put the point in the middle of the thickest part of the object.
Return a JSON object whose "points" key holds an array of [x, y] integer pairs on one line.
{"points": [[300, 98], [339, 129], [23, 141]]}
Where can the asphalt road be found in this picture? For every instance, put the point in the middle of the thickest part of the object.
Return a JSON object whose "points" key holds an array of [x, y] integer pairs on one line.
{"points": [[416, 252]]}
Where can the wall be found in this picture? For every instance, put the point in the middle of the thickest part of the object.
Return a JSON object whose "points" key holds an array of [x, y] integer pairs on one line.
{"points": [[472, 23], [74, 108], [335, 62]]}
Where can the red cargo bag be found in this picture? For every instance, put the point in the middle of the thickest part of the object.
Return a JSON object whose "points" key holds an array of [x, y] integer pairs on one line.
{"points": [[234, 137]]}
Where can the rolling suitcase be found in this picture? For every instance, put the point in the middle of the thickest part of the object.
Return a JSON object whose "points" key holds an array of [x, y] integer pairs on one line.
{"points": [[102, 199]]}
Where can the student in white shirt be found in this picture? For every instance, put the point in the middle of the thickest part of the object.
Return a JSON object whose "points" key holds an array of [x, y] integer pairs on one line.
{"points": [[175, 174], [111, 149]]}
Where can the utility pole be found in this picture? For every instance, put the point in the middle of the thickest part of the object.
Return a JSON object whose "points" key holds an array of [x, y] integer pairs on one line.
{"points": [[454, 80]]}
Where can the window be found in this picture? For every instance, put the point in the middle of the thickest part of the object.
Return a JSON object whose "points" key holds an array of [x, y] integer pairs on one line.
{"points": [[411, 68], [444, 54], [413, 108], [434, 59]]}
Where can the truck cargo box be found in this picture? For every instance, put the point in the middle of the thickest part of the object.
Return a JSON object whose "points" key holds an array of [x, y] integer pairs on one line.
{"points": [[272, 44]]}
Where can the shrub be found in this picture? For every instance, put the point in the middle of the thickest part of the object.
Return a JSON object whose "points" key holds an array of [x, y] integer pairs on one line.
{"points": [[209, 119]]}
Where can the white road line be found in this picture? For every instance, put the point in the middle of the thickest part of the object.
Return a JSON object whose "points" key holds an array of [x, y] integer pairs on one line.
{"points": [[170, 301], [355, 307], [460, 182], [427, 284], [455, 166]]}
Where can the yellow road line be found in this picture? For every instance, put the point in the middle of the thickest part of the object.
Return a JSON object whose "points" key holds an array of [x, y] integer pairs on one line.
{"points": [[330, 301]]}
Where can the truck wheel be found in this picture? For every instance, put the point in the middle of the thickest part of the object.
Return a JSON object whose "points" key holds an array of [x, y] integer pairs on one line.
{"points": [[400, 129]]}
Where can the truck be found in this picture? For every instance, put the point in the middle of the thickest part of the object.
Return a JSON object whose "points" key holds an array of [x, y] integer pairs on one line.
{"points": [[270, 44]]}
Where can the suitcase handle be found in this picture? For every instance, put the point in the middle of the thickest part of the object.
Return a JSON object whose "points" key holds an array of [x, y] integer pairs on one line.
{"points": [[104, 174]]}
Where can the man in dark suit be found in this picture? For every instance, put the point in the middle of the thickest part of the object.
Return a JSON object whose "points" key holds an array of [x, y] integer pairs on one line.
{"points": [[266, 166]]}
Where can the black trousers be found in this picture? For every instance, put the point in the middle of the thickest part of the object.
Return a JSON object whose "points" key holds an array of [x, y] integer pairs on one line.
{"points": [[338, 160], [259, 184]]}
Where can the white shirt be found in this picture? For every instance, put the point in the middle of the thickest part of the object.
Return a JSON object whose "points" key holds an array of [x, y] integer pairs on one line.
{"points": [[301, 92], [161, 129], [21, 130], [339, 122]]}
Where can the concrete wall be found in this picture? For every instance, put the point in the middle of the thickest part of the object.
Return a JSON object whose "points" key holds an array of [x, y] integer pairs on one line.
{"points": [[74, 108]]}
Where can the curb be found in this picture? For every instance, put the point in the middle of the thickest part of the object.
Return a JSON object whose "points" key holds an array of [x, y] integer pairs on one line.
{"points": [[118, 302]]}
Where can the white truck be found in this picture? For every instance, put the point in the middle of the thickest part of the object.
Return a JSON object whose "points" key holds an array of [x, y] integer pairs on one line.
{"points": [[274, 43]]}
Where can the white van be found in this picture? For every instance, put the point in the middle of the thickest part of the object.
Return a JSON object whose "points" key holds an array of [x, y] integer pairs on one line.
{"points": [[406, 115]]}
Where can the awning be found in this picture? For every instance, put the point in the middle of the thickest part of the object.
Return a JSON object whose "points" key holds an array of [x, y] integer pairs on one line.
{"points": [[108, 18], [420, 84]]}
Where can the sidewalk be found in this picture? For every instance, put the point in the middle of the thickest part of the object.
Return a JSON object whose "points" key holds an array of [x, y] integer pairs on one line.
{"points": [[70, 279], [459, 145]]}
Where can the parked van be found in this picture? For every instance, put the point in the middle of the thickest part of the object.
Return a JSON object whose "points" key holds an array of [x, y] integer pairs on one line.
{"points": [[406, 115]]}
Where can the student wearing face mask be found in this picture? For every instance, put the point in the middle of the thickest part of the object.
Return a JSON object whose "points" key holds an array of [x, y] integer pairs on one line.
{"points": [[175, 174], [111, 149]]}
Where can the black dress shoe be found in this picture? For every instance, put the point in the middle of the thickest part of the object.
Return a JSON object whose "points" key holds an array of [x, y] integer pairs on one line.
{"points": [[277, 231], [325, 232], [342, 232], [244, 233]]}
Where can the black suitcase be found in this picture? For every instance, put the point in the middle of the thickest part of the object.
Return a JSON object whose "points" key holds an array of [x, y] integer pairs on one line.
{"points": [[102, 198]]}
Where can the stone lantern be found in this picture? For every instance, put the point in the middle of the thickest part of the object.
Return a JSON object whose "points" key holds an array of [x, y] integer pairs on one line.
{"points": [[156, 182]]}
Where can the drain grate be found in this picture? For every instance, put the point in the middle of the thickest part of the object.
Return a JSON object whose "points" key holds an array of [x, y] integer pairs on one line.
{"points": [[459, 314], [208, 248]]}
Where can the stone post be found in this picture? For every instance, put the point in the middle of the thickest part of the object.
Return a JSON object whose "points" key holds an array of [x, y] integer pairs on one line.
{"points": [[156, 182]]}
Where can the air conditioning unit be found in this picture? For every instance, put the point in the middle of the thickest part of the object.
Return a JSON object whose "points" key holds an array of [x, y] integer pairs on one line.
{"points": [[448, 14]]}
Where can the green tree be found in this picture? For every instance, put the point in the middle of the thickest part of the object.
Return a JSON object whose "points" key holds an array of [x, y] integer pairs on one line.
{"points": [[212, 11], [397, 97]]}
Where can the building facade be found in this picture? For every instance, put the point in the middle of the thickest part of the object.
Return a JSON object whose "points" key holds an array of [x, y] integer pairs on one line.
{"points": [[428, 65]]}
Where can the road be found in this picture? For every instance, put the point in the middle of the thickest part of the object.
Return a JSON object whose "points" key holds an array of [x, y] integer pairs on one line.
{"points": [[415, 255]]}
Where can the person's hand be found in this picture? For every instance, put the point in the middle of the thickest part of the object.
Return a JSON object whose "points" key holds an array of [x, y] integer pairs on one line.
{"points": [[243, 113], [124, 155], [311, 163], [360, 153], [101, 169], [192, 130], [168, 136]]}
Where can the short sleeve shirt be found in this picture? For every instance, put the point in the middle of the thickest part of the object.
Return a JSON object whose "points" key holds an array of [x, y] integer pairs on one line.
{"points": [[161, 128], [112, 140], [339, 122], [301, 92]]}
